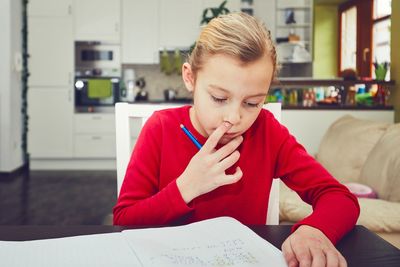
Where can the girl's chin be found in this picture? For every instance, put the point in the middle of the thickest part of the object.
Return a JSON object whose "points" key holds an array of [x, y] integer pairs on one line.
{"points": [[224, 140]]}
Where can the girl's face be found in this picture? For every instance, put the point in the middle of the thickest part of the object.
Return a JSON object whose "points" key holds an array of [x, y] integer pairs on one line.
{"points": [[226, 90]]}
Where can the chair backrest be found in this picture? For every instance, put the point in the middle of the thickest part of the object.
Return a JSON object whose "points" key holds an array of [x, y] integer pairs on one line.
{"points": [[130, 118]]}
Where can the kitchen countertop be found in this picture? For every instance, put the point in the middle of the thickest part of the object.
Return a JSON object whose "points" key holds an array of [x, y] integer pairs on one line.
{"points": [[111, 109]]}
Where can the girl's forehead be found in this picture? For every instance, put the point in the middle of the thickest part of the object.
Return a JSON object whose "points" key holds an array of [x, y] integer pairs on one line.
{"points": [[222, 65], [229, 75], [224, 58]]}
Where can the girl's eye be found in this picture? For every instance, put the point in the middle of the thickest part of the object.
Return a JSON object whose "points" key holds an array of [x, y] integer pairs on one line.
{"points": [[218, 99], [252, 105]]}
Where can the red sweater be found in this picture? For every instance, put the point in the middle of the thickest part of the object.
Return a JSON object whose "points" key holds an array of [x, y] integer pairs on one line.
{"points": [[150, 196]]}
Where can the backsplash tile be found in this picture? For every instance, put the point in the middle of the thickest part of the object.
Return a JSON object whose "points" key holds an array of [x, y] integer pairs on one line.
{"points": [[157, 82]]}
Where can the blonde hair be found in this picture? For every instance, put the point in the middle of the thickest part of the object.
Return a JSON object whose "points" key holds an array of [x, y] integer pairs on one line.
{"points": [[236, 34]]}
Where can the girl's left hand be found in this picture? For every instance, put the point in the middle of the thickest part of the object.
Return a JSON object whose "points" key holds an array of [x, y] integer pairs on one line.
{"points": [[308, 246]]}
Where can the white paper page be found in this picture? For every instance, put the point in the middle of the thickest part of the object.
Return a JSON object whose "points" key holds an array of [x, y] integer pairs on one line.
{"points": [[222, 241], [78, 251]]}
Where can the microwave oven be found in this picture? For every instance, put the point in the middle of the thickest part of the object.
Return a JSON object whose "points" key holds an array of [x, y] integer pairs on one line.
{"points": [[97, 91], [97, 59]]}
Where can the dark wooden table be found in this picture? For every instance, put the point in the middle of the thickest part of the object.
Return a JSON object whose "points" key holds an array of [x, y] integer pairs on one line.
{"points": [[360, 247]]}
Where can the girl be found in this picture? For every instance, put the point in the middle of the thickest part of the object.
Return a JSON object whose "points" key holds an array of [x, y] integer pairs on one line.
{"points": [[171, 181]]}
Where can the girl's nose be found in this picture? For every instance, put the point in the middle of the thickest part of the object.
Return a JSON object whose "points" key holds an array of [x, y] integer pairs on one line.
{"points": [[233, 115]]}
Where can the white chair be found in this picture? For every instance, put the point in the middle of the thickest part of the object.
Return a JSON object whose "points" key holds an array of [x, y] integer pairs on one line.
{"points": [[129, 119]]}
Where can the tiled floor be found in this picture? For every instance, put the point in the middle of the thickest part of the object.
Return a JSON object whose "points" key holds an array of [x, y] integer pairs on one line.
{"points": [[57, 197]]}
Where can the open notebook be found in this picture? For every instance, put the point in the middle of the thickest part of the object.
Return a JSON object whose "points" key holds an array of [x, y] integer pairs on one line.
{"points": [[216, 242]]}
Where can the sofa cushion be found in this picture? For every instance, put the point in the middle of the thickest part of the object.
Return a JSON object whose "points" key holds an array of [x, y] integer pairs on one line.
{"points": [[346, 144], [381, 170], [376, 214]]}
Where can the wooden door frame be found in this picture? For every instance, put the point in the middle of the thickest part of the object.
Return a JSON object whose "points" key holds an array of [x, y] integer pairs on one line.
{"points": [[364, 35]]}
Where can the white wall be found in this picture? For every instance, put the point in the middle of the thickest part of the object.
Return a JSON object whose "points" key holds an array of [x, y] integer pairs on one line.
{"points": [[10, 86]]}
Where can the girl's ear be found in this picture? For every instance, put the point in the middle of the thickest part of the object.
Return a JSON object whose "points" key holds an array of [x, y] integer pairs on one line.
{"points": [[188, 77]]}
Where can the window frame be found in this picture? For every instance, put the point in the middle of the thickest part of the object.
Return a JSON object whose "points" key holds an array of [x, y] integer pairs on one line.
{"points": [[375, 21]]}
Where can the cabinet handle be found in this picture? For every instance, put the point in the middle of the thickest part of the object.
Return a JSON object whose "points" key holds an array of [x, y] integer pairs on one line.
{"points": [[96, 118], [96, 137], [69, 9]]}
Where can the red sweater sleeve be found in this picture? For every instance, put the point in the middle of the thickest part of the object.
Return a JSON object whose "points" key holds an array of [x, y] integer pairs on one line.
{"points": [[335, 209], [140, 201]]}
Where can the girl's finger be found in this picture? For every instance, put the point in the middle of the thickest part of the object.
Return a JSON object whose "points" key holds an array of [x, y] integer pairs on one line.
{"points": [[232, 178], [214, 138], [228, 148]]}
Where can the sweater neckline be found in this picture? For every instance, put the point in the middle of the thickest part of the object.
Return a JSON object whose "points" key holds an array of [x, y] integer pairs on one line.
{"points": [[189, 125]]}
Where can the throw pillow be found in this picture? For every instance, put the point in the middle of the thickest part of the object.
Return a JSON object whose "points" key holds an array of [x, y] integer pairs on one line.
{"points": [[361, 190], [346, 144], [381, 170]]}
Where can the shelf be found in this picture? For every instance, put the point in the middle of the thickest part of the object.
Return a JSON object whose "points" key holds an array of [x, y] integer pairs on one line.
{"points": [[302, 42], [337, 107], [294, 18], [295, 61], [326, 82], [294, 8], [302, 25]]}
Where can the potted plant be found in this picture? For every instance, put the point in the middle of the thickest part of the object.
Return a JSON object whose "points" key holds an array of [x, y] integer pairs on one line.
{"points": [[381, 70]]}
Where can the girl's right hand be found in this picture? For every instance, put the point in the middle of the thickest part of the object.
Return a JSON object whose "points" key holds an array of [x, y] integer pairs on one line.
{"points": [[206, 170]]}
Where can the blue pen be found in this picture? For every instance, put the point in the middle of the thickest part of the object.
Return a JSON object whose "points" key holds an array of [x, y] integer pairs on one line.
{"points": [[191, 137]]}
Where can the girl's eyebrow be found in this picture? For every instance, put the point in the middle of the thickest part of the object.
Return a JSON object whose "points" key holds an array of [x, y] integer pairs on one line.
{"points": [[219, 88], [228, 92]]}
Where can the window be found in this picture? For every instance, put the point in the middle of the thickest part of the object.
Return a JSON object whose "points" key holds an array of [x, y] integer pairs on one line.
{"points": [[381, 32], [349, 39], [364, 35], [382, 8]]}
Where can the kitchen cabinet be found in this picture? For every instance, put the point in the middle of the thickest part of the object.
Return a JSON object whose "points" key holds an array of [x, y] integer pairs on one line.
{"points": [[97, 20], [51, 51], [139, 38], [294, 30], [180, 20], [50, 8], [94, 136], [232, 5], [157, 24], [50, 94], [179, 23], [265, 11], [50, 122]]}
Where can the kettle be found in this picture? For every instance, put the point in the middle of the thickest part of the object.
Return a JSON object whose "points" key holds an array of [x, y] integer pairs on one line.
{"points": [[128, 88]]}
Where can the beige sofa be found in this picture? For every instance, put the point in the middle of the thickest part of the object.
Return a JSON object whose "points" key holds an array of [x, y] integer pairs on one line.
{"points": [[365, 152]]}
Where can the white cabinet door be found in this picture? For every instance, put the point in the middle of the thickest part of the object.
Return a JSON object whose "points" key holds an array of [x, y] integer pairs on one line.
{"points": [[50, 122], [94, 123], [140, 32], [97, 20], [51, 51], [94, 135], [95, 146], [179, 23], [265, 11], [50, 8]]}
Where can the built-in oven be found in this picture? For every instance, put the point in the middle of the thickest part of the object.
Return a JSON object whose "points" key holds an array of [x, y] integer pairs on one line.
{"points": [[96, 91], [97, 75]]}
